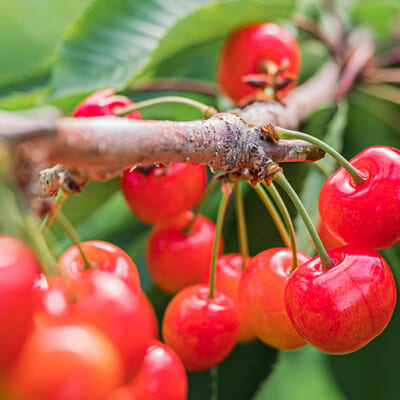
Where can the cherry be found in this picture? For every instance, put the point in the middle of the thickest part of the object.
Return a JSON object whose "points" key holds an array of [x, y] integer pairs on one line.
{"points": [[158, 193], [227, 277], [202, 331], [102, 255], [328, 240], [366, 213], [103, 103], [100, 298], [18, 270], [161, 377], [176, 259], [261, 297], [67, 362], [342, 308], [248, 51]]}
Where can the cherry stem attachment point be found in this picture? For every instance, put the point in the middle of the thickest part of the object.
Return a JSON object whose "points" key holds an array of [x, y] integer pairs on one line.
{"points": [[287, 187], [287, 219], [357, 175], [204, 108], [218, 231], [241, 221], [73, 235], [274, 214], [62, 195]]}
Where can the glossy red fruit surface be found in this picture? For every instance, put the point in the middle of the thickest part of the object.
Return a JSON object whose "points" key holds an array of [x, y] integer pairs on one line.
{"points": [[227, 277], [367, 213], [247, 49], [261, 297], [120, 311], [176, 259], [102, 255], [161, 377], [103, 103], [69, 362], [19, 268], [328, 240], [163, 193], [341, 309], [202, 331]]}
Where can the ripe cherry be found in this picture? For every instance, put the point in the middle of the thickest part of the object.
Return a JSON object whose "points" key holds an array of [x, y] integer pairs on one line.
{"points": [[366, 213], [161, 376], [18, 270], [251, 49], [159, 193], [176, 259], [67, 362], [102, 255], [342, 308], [328, 240], [103, 103], [261, 297], [227, 277], [100, 298], [202, 331]]}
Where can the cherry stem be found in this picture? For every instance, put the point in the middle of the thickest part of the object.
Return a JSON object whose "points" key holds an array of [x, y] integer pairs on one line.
{"points": [[199, 206], [242, 230], [274, 214], [287, 187], [357, 175], [214, 383], [287, 219], [218, 231], [62, 195], [73, 235], [204, 108]]}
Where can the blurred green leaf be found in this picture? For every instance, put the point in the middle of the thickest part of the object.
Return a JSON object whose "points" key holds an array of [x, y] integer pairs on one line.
{"points": [[115, 42]]}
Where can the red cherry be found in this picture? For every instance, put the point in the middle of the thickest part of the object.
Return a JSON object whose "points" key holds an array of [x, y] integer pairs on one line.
{"points": [[342, 308], [328, 240], [67, 362], [121, 393], [104, 256], [163, 192], [100, 298], [367, 213], [176, 259], [245, 52], [261, 297], [161, 377], [103, 103], [227, 277], [18, 270], [202, 331]]}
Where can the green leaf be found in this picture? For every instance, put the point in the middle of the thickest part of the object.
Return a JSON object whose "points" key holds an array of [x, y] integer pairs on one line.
{"points": [[116, 42]]}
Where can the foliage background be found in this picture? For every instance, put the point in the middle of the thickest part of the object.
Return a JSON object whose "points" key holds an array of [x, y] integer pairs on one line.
{"points": [[55, 52]]}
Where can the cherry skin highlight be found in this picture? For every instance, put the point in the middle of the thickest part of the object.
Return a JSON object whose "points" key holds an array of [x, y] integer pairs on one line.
{"points": [[227, 277], [247, 49], [19, 268], [163, 193], [261, 297], [202, 331], [161, 377], [104, 256], [367, 213], [340, 309], [176, 259]]}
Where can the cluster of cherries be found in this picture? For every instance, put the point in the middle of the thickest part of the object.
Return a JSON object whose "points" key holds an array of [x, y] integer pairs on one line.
{"points": [[91, 333]]}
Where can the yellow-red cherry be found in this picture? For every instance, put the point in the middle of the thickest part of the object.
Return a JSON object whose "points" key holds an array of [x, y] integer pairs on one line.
{"points": [[261, 297]]}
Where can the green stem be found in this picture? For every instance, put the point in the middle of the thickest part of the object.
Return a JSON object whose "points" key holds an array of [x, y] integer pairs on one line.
{"points": [[199, 206], [218, 231], [287, 187], [62, 195], [274, 214], [357, 175], [241, 219], [204, 108], [71, 232], [214, 383], [286, 217]]}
